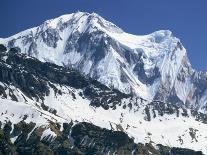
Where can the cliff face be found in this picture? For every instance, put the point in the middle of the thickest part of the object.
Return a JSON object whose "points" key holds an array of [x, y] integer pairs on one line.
{"points": [[40, 99], [85, 138], [154, 66], [79, 84]]}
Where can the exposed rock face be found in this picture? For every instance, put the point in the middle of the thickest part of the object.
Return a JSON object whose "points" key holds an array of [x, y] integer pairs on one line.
{"points": [[49, 77], [153, 66], [40, 99], [85, 138], [35, 78]]}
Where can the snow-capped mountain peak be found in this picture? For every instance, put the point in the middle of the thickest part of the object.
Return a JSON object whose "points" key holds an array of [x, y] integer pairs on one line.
{"points": [[81, 21], [47, 100], [153, 66], [89, 57]]}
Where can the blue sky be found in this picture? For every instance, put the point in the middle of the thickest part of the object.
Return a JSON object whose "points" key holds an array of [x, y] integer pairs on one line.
{"points": [[187, 19]]}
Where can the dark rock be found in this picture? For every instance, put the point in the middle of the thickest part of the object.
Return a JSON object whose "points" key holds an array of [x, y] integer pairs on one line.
{"points": [[2, 48]]}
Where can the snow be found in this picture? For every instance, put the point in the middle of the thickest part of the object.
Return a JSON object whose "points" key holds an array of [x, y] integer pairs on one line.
{"points": [[15, 112], [13, 139], [48, 133], [183, 89], [87, 67], [203, 102], [159, 49], [29, 134], [108, 70], [161, 129]]}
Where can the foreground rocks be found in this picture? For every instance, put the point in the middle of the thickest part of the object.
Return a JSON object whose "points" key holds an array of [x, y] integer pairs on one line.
{"points": [[82, 138]]}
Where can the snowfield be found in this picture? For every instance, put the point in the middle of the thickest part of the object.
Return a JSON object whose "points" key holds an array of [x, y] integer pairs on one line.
{"points": [[168, 130]]}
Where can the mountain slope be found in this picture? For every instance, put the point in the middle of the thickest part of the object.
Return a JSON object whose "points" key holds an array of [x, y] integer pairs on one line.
{"points": [[85, 138], [153, 66], [44, 94]]}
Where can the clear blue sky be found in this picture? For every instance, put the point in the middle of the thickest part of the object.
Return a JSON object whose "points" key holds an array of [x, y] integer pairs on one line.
{"points": [[187, 19]]}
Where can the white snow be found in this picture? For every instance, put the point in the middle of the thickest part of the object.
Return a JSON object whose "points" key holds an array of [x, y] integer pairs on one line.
{"points": [[161, 129], [15, 111], [159, 49], [48, 133], [13, 139]]}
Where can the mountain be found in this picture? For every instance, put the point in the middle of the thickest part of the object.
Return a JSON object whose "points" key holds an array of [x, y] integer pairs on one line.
{"points": [[153, 66], [51, 109], [78, 84]]}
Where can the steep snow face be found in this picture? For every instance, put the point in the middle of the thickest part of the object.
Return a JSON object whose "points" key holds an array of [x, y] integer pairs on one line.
{"points": [[45, 93], [153, 66]]}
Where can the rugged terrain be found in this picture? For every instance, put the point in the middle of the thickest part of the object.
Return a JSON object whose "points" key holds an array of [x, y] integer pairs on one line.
{"points": [[154, 66], [39, 100], [78, 84]]}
